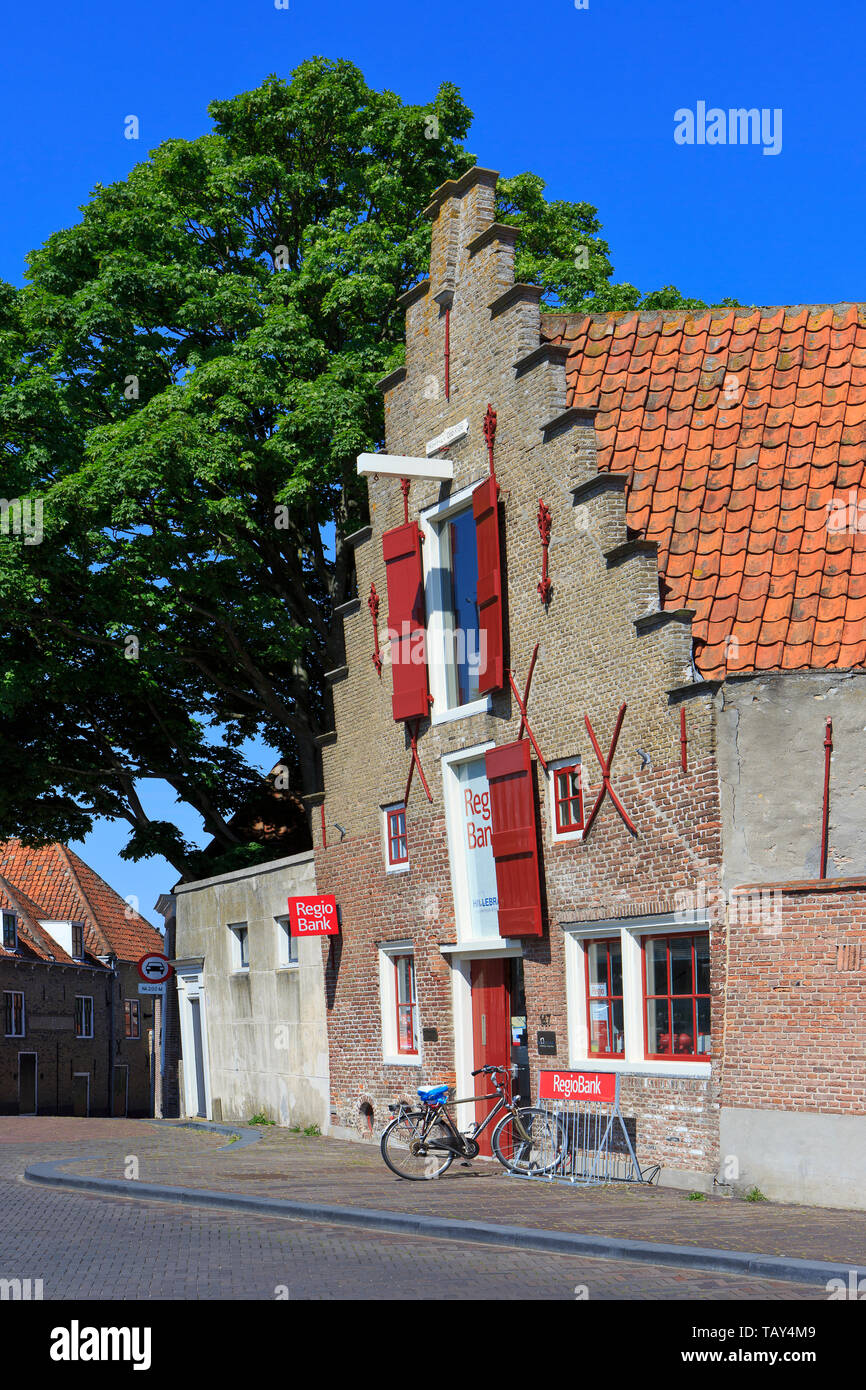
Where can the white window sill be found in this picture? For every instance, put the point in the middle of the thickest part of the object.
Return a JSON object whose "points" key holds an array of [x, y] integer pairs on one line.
{"points": [[407, 1059], [241, 970], [397, 868], [448, 716], [695, 1070], [287, 965], [559, 837]]}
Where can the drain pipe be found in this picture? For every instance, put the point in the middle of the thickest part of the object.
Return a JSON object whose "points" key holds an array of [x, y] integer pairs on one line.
{"points": [[825, 819]]}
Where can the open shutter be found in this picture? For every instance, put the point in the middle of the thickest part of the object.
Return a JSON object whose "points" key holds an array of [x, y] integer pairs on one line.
{"points": [[485, 509], [405, 576], [513, 838]]}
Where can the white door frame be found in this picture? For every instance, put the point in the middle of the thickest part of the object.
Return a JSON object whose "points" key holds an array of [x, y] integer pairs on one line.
{"points": [[190, 986], [35, 1055]]}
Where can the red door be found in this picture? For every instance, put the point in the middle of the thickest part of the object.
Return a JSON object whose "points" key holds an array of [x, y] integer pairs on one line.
{"points": [[491, 1031]]}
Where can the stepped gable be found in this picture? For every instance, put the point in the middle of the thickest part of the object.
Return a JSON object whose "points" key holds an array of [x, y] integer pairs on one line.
{"points": [[736, 430], [67, 889]]}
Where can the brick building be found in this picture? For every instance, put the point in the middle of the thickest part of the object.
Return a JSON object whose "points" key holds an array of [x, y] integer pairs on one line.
{"points": [[666, 894], [77, 1037]]}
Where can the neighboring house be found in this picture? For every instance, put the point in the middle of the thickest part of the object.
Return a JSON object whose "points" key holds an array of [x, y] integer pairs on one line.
{"points": [[250, 997], [705, 619], [76, 1033]]}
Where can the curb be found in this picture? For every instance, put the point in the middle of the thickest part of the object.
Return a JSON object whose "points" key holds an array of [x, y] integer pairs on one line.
{"points": [[244, 1136], [444, 1228]]}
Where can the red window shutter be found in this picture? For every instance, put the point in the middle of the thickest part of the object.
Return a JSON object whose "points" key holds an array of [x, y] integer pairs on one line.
{"points": [[485, 509], [513, 838], [402, 550]]}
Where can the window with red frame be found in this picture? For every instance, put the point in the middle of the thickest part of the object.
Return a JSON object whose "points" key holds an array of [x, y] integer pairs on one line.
{"points": [[398, 844], [568, 799], [677, 996], [605, 1027], [407, 1004], [132, 1014]]}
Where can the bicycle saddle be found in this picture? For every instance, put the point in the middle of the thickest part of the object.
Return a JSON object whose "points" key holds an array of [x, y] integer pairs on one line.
{"points": [[434, 1095]]}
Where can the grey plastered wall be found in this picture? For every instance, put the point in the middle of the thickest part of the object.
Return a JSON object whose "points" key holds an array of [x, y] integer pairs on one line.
{"points": [[266, 1026], [771, 770], [796, 1156]]}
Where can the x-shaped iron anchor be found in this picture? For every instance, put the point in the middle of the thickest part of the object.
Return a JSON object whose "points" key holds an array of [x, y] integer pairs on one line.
{"points": [[521, 705], [416, 762], [605, 772]]}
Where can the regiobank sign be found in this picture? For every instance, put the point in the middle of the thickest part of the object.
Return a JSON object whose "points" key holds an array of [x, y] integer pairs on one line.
{"points": [[577, 1086], [314, 916]]}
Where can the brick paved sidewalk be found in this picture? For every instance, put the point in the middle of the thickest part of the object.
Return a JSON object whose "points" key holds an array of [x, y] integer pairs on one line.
{"points": [[293, 1166]]}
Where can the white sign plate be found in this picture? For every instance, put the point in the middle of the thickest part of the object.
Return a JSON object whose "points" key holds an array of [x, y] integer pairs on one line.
{"points": [[151, 989], [449, 436], [400, 466]]}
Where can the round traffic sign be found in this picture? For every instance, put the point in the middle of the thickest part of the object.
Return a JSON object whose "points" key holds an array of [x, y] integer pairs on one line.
{"points": [[155, 967]]}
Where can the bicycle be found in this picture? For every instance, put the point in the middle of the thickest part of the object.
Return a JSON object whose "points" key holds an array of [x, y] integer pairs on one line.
{"points": [[422, 1144]]}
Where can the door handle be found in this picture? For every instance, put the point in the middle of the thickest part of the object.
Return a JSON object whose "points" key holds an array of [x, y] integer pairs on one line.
{"points": [[483, 1030]]}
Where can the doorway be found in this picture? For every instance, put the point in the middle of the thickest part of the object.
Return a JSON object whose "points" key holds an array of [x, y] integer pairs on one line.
{"points": [[200, 1095], [120, 1096], [27, 1083], [491, 1025], [81, 1093]]}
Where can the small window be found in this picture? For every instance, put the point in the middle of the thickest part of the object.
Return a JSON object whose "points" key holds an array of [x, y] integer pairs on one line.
{"points": [[397, 842], [677, 997], [10, 931], [77, 941], [567, 798], [287, 945], [240, 946], [132, 1012], [83, 1016], [407, 1004], [14, 1011], [604, 1012]]}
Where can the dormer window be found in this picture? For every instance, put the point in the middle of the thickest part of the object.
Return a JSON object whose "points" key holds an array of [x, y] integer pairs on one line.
{"points": [[10, 931], [77, 941]]}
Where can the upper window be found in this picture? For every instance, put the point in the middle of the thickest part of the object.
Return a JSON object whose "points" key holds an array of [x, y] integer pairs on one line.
{"points": [[407, 1004], [396, 839], [567, 798], [677, 996], [77, 941], [83, 1016], [604, 1005], [132, 1018], [456, 645], [462, 558], [10, 931], [287, 945], [240, 946], [14, 1011]]}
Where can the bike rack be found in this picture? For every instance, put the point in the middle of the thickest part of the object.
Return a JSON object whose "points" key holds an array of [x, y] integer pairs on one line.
{"points": [[597, 1148]]}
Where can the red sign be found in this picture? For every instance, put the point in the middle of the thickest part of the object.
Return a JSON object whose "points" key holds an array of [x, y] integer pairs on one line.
{"points": [[314, 916], [155, 967], [577, 1085]]}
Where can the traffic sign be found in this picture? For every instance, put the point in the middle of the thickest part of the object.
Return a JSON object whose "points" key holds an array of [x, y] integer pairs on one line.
{"points": [[155, 968]]}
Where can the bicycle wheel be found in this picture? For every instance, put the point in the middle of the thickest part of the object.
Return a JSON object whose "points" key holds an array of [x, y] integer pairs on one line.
{"points": [[407, 1155], [535, 1154]]}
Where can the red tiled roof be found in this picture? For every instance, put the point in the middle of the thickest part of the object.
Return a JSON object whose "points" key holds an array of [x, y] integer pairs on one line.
{"points": [[736, 429], [62, 887], [33, 938]]}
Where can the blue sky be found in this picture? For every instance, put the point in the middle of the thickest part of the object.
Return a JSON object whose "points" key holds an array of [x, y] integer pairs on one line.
{"points": [[584, 97]]}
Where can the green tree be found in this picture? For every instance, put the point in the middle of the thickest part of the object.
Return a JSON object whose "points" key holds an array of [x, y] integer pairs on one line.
{"points": [[185, 384]]}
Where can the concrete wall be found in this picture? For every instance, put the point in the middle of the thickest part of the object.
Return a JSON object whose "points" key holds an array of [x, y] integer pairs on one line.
{"points": [[771, 769], [818, 1159], [266, 1031]]}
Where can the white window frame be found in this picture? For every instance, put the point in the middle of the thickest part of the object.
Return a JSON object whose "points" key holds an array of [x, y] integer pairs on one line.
{"points": [[238, 965], [386, 850], [456, 852], [132, 1037], [388, 1004], [86, 1015], [560, 837], [6, 916], [631, 931], [20, 993], [438, 603], [287, 945]]}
